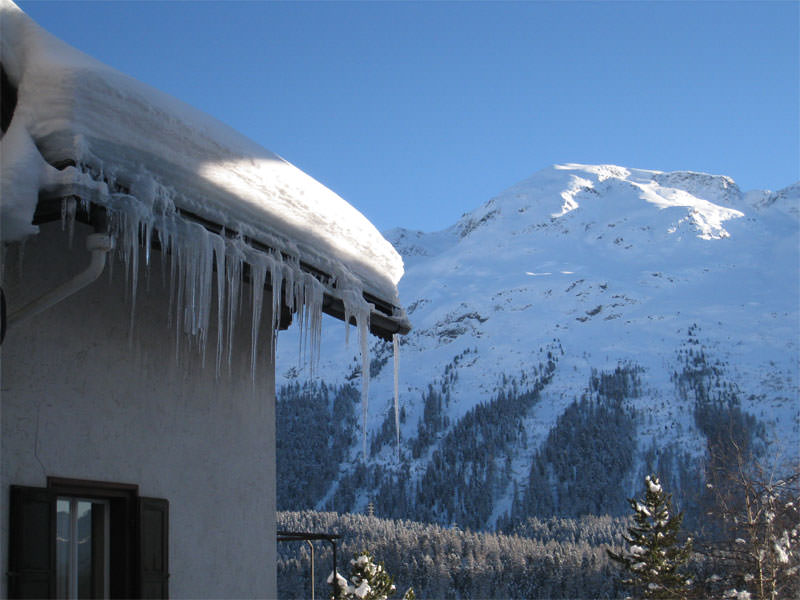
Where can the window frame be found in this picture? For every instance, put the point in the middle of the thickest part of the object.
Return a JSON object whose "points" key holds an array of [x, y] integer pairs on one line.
{"points": [[138, 538], [122, 499]]}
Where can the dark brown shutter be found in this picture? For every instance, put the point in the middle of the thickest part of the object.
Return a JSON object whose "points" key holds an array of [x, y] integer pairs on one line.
{"points": [[153, 548], [32, 548]]}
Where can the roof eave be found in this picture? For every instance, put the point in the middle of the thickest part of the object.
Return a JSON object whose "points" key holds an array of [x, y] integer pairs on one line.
{"points": [[386, 319]]}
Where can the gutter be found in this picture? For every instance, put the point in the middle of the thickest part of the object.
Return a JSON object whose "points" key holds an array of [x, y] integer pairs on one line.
{"points": [[385, 320], [99, 244]]}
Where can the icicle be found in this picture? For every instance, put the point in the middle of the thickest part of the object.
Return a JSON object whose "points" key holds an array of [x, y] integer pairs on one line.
{"points": [[276, 281], [303, 294], [180, 290], [148, 241], [362, 322], [134, 252], [68, 207], [396, 349], [219, 255], [275, 268], [163, 241], [149, 226], [347, 317], [233, 272], [313, 292], [190, 255], [298, 303], [316, 320], [257, 277], [171, 249], [125, 226], [288, 283], [357, 308], [137, 228], [200, 253], [206, 289]]}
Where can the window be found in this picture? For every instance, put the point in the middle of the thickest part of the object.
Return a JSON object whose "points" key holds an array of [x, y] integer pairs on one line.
{"points": [[83, 563], [84, 539]]}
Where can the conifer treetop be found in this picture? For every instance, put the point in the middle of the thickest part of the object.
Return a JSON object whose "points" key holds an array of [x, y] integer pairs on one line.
{"points": [[655, 558]]}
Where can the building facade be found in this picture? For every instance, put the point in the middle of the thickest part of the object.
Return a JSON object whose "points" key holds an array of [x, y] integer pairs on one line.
{"points": [[138, 392], [90, 400]]}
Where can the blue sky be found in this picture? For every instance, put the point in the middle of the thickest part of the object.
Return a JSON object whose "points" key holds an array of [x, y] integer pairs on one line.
{"points": [[418, 112]]}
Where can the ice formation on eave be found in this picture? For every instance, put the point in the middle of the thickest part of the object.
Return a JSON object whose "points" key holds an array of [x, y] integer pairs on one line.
{"points": [[150, 160]]}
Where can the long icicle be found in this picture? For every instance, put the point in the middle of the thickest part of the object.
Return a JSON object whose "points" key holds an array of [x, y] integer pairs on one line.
{"points": [[258, 272], [233, 272], [219, 255], [396, 349], [358, 309], [362, 321]]}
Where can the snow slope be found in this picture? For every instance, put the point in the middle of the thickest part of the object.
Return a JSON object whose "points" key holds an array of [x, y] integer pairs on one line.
{"points": [[613, 266]]}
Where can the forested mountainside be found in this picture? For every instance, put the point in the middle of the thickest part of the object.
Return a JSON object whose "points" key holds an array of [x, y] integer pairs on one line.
{"points": [[585, 327], [552, 558]]}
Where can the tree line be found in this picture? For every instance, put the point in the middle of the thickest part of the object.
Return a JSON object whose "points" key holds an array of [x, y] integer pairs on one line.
{"points": [[441, 562]]}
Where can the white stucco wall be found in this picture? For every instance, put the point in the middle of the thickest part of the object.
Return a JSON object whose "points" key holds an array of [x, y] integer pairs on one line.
{"points": [[80, 399]]}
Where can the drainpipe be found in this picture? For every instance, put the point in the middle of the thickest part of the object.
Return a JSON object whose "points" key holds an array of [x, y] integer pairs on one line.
{"points": [[99, 244]]}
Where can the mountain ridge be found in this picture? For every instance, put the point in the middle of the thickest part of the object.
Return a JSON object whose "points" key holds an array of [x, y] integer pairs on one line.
{"points": [[597, 269]]}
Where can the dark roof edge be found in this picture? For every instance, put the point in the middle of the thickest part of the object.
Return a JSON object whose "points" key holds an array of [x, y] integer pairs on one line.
{"points": [[386, 319]]}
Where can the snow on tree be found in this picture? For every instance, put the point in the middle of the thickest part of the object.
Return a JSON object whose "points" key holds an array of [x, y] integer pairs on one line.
{"points": [[758, 553], [368, 581], [654, 559]]}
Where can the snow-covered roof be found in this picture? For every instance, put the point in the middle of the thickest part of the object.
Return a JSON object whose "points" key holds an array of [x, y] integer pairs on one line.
{"points": [[82, 127]]}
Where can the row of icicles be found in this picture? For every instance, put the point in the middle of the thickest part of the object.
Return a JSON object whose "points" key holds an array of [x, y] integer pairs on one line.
{"points": [[203, 262]]}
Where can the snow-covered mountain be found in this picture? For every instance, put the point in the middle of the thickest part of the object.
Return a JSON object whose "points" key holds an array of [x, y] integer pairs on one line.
{"points": [[563, 279]]}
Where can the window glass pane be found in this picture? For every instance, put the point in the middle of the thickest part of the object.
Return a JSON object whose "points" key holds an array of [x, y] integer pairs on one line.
{"points": [[62, 547], [84, 549]]}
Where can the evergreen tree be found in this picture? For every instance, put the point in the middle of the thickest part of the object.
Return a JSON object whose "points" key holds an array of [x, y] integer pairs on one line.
{"points": [[654, 559], [368, 581]]}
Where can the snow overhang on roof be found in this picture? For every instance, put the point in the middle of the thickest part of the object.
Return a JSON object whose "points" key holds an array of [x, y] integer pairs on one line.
{"points": [[82, 129]]}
